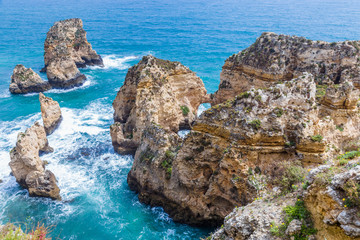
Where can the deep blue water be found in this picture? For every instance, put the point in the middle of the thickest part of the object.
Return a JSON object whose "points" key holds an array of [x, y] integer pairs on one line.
{"points": [[199, 33]]}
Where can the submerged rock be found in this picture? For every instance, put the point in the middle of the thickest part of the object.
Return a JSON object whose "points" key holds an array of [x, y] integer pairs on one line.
{"points": [[274, 58], [66, 49], [50, 112], [25, 80], [155, 91], [28, 168]]}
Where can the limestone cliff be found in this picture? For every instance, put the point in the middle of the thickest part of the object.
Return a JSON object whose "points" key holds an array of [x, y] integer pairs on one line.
{"points": [[25, 80], [274, 58], [66, 50], [155, 91], [50, 112], [28, 168], [201, 180]]}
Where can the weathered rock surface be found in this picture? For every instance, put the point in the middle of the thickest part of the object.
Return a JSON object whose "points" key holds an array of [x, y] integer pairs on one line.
{"points": [[66, 50], [274, 58], [200, 180], [28, 168], [63, 73], [254, 221], [50, 113], [327, 203], [25, 80], [155, 91]]}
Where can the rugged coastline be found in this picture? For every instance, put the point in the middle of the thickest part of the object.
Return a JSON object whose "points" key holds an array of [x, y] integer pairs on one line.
{"points": [[270, 120]]}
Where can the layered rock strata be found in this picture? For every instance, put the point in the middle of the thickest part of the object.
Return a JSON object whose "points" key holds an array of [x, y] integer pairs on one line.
{"points": [[50, 112], [66, 50], [201, 180], [155, 91], [28, 168], [25, 80], [274, 58]]}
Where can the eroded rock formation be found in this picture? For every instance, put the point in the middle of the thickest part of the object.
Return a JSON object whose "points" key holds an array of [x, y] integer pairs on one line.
{"points": [[155, 91], [335, 215], [25, 80], [274, 58], [299, 113], [66, 50], [28, 168], [50, 112], [201, 180]]}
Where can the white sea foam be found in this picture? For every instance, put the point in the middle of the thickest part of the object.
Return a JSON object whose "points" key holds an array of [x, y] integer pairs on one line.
{"points": [[116, 62], [5, 93], [202, 108], [88, 82]]}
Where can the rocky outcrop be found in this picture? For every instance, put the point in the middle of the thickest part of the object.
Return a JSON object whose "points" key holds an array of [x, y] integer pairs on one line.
{"points": [[273, 58], [25, 80], [334, 210], [201, 180], [63, 73], [255, 220], [50, 112], [155, 91], [28, 168], [66, 50]]}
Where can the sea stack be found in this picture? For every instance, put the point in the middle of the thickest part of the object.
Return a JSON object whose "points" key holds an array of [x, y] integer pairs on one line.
{"points": [[25, 80], [155, 91], [50, 112], [28, 168], [66, 50]]}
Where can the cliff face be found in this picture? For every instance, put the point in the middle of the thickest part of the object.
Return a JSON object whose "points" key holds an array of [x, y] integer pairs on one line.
{"points": [[155, 91], [66, 50], [274, 58], [201, 180], [25, 80]]}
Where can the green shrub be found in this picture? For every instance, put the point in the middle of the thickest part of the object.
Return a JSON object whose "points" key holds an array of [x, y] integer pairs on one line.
{"points": [[256, 124], [278, 111], [352, 192], [185, 110], [243, 95], [288, 174], [340, 128], [320, 91], [349, 155], [317, 138], [300, 213]]}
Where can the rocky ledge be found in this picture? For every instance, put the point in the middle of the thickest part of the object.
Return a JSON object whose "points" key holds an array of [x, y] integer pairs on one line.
{"points": [[274, 58], [155, 91], [66, 50], [50, 112], [25, 80]]}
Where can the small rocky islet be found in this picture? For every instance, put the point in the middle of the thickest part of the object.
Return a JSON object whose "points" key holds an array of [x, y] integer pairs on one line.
{"points": [[275, 157], [66, 50]]}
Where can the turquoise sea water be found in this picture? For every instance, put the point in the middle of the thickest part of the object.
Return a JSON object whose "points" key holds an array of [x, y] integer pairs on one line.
{"points": [[199, 33]]}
